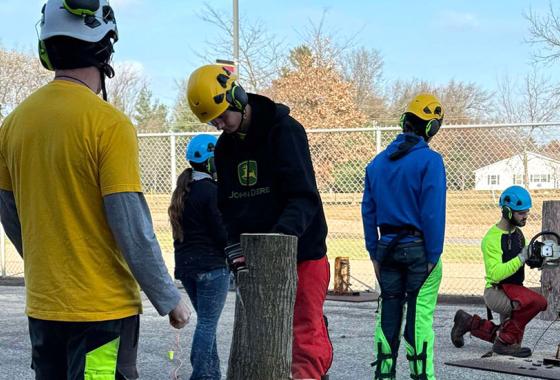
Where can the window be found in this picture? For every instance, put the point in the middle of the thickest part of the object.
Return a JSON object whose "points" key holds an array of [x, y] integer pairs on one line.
{"points": [[539, 178], [518, 179], [493, 179]]}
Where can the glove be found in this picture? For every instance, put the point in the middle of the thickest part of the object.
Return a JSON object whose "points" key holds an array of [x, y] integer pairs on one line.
{"points": [[524, 255], [235, 258]]}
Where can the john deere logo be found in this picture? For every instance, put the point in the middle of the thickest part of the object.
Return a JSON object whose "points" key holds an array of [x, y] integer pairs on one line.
{"points": [[247, 173]]}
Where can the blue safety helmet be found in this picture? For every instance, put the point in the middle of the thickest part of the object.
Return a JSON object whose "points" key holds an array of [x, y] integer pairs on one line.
{"points": [[201, 148], [516, 198]]}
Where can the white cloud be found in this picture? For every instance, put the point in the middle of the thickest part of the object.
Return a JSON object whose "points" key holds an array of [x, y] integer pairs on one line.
{"points": [[459, 20]]}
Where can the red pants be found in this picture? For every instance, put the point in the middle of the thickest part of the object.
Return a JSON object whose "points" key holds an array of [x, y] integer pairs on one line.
{"points": [[483, 329], [311, 350], [526, 305]]}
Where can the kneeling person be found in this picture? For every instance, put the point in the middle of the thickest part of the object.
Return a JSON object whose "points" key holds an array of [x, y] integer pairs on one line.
{"points": [[505, 254]]}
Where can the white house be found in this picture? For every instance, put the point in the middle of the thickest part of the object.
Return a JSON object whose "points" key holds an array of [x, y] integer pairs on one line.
{"points": [[544, 173]]}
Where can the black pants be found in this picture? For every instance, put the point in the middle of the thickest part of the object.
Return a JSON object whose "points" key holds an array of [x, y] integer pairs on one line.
{"points": [[73, 350], [403, 272]]}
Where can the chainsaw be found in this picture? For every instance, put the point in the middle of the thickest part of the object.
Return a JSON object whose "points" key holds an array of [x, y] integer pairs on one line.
{"points": [[546, 253]]}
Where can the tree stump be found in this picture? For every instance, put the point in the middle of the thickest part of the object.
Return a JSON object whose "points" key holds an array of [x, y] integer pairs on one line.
{"points": [[550, 277], [261, 347]]}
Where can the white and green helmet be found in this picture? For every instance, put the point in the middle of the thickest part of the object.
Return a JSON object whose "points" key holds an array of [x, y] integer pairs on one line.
{"points": [[88, 30], [85, 20]]}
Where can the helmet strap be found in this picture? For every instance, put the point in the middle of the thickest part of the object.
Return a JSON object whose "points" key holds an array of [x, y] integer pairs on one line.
{"points": [[105, 70], [243, 112]]}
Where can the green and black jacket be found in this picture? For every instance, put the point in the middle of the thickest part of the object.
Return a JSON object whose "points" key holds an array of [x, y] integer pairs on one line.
{"points": [[500, 249]]}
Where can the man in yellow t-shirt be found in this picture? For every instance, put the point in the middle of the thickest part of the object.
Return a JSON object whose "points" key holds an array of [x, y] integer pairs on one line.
{"points": [[71, 202]]}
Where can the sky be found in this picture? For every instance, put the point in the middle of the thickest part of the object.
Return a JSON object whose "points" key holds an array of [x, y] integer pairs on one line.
{"points": [[437, 40]]}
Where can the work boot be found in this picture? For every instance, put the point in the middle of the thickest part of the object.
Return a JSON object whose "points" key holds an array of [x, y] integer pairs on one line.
{"points": [[461, 326], [514, 349]]}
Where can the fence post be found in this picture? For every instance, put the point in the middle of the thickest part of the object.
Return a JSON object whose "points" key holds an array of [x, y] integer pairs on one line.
{"points": [[550, 277], [3, 250], [377, 127], [261, 346], [172, 142], [377, 138]]}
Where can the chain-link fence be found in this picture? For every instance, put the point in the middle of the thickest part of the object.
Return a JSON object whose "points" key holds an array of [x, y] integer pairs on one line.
{"points": [[481, 160]]}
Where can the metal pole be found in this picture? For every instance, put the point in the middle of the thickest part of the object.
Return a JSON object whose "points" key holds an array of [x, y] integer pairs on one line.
{"points": [[236, 34], [3, 250], [173, 146]]}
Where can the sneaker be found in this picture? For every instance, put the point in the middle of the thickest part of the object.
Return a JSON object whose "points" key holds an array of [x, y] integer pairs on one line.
{"points": [[515, 349], [461, 326]]}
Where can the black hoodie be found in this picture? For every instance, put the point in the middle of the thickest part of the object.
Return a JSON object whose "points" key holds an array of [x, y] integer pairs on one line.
{"points": [[266, 181]]}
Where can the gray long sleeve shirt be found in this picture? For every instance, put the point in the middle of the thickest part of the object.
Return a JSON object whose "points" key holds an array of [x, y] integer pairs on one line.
{"points": [[129, 218], [10, 219]]}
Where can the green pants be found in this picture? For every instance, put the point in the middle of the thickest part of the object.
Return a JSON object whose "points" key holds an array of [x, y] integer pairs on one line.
{"points": [[405, 280]]}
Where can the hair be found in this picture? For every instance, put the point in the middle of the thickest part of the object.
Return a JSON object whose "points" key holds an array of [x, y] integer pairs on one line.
{"points": [[178, 200], [414, 124], [70, 53]]}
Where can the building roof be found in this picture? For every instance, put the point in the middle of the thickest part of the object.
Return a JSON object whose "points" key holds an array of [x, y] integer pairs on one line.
{"points": [[530, 155]]}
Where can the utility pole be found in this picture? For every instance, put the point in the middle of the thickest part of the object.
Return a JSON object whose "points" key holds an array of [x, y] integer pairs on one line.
{"points": [[236, 34]]}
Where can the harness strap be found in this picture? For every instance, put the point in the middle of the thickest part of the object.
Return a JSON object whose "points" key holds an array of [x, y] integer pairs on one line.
{"points": [[422, 356]]}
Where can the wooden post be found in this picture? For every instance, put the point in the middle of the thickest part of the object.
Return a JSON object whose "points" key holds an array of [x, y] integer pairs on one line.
{"points": [[341, 275], [550, 277], [261, 347]]}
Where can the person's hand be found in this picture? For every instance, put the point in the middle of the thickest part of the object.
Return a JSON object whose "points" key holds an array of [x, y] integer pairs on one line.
{"points": [[524, 255], [179, 317], [235, 258]]}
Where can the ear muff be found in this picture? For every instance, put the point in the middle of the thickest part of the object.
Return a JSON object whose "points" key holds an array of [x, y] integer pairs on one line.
{"points": [[237, 97], [210, 165], [402, 120], [432, 127], [44, 56], [507, 212]]}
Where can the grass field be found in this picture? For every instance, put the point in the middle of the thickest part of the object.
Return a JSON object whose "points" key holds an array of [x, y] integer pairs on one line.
{"points": [[469, 216], [354, 248]]}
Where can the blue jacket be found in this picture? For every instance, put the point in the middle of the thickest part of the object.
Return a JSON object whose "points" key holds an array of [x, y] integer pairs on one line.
{"points": [[409, 190]]}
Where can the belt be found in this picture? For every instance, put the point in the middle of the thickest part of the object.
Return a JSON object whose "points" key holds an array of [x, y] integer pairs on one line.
{"points": [[401, 232], [386, 229]]}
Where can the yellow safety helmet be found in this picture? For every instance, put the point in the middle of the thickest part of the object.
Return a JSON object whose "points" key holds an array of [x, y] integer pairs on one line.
{"points": [[212, 90], [426, 107]]}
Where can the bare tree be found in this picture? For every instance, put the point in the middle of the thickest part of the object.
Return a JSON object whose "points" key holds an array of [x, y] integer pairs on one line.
{"points": [[534, 99], [462, 102], [364, 68], [124, 88], [20, 75], [465, 102], [544, 32], [328, 47], [260, 52], [397, 96]]}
